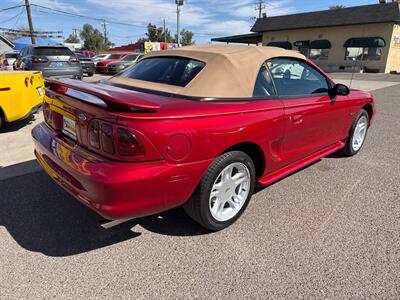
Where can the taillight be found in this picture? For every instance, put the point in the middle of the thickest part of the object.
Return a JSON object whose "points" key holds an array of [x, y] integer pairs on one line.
{"points": [[112, 139], [74, 60], [107, 138], [59, 88], [128, 144], [47, 113], [94, 139], [5, 62], [39, 59]]}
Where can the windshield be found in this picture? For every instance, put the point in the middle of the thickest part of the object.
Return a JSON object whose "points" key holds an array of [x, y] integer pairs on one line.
{"points": [[99, 56], [177, 71], [130, 57], [53, 51]]}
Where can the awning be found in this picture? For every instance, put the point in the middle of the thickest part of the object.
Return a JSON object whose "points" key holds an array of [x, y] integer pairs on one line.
{"points": [[365, 42], [249, 38], [284, 45], [320, 44]]}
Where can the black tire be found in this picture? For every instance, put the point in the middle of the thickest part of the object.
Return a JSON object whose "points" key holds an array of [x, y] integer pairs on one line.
{"points": [[2, 120], [198, 206], [348, 150], [90, 74]]}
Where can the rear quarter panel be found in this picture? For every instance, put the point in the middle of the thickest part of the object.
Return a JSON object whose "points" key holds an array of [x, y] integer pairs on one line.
{"points": [[204, 130]]}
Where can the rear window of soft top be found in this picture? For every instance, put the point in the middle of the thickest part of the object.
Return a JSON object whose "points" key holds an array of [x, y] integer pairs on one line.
{"points": [[178, 71]]}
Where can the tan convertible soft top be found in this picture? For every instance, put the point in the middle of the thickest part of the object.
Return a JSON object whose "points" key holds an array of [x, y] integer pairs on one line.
{"points": [[230, 71]]}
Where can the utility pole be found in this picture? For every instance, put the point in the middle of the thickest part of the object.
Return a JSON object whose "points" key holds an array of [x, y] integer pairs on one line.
{"points": [[179, 3], [105, 31], [75, 30], [260, 6], [165, 33], [28, 13]]}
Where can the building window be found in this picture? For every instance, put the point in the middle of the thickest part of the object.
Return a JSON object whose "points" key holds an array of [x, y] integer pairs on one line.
{"points": [[320, 49], [369, 48], [364, 54], [319, 54]]}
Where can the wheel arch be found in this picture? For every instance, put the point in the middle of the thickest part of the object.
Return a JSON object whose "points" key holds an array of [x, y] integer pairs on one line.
{"points": [[255, 152], [368, 108]]}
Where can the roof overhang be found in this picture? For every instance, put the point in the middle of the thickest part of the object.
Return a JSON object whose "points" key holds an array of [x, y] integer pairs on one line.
{"points": [[249, 38]]}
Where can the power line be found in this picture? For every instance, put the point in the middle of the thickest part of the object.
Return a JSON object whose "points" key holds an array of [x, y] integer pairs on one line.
{"points": [[16, 16], [12, 7]]}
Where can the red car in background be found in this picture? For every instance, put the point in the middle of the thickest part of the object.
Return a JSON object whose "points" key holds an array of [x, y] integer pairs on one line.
{"points": [[102, 66], [199, 126]]}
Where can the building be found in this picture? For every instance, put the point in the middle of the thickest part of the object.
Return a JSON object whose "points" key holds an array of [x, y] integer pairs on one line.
{"points": [[5, 45], [362, 38]]}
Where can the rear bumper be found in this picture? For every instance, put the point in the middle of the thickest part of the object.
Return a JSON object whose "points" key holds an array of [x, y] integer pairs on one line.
{"points": [[68, 72], [115, 190]]}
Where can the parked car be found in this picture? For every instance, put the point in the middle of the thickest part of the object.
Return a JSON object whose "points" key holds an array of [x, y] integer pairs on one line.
{"points": [[87, 64], [21, 94], [102, 66], [127, 61], [58, 61], [8, 60], [198, 126], [100, 57]]}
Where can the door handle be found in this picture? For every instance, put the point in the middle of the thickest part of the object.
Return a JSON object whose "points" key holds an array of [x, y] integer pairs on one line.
{"points": [[297, 119]]}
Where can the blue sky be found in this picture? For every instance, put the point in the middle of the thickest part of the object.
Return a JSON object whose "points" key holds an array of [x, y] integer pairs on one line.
{"points": [[206, 18]]}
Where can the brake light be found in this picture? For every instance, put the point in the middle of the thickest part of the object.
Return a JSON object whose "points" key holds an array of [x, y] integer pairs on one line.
{"points": [[47, 113], [74, 60], [5, 62], [107, 138], [128, 144], [115, 140], [39, 59], [94, 139], [62, 89]]}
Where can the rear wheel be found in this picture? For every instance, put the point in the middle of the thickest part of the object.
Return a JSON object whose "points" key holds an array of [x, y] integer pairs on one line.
{"points": [[90, 74], [2, 119], [224, 191], [357, 135]]}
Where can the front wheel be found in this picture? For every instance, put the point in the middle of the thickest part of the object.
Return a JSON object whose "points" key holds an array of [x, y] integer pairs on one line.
{"points": [[357, 135], [224, 191]]}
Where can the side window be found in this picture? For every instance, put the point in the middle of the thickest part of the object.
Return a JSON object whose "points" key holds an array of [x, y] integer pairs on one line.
{"points": [[264, 86], [294, 77]]}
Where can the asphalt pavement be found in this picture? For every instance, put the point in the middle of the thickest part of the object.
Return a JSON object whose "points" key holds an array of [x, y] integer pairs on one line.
{"points": [[330, 230]]}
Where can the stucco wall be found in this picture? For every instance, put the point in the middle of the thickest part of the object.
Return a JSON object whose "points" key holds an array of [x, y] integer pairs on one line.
{"points": [[393, 63], [338, 36]]}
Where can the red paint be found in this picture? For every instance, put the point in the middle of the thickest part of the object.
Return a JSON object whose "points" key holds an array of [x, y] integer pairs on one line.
{"points": [[181, 138], [102, 66]]}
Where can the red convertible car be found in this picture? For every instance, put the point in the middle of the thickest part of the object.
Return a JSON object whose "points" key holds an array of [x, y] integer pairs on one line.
{"points": [[197, 127]]}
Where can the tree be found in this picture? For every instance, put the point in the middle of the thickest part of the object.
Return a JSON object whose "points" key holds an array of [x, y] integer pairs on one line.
{"points": [[72, 38], [93, 39], [156, 34], [335, 7], [186, 37]]}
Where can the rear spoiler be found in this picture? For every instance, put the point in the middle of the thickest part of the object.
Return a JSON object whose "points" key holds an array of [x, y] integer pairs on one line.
{"points": [[103, 95]]}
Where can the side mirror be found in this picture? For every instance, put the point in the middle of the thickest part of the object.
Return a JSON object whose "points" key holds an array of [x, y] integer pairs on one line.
{"points": [[340, 90]]}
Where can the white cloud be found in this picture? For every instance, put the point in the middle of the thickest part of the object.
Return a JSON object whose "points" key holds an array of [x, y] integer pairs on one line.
{"points": [[228, 27]]}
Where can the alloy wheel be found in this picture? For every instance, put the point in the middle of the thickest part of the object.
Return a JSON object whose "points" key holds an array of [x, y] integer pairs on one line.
{"points": [[229, 192]]}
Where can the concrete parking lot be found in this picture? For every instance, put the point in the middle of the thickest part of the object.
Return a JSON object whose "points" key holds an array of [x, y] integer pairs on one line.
{"points": [[330, 230]]}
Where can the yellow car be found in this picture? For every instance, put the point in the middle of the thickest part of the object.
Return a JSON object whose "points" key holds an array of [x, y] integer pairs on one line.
{"points": [[21, 94]]}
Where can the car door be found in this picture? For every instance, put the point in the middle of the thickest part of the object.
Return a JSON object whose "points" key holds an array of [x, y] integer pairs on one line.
{"points": [[313, 119]]}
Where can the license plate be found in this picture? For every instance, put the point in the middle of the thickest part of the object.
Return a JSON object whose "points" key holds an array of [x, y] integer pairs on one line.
{"points": [[69, 128], [58, 64]]}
